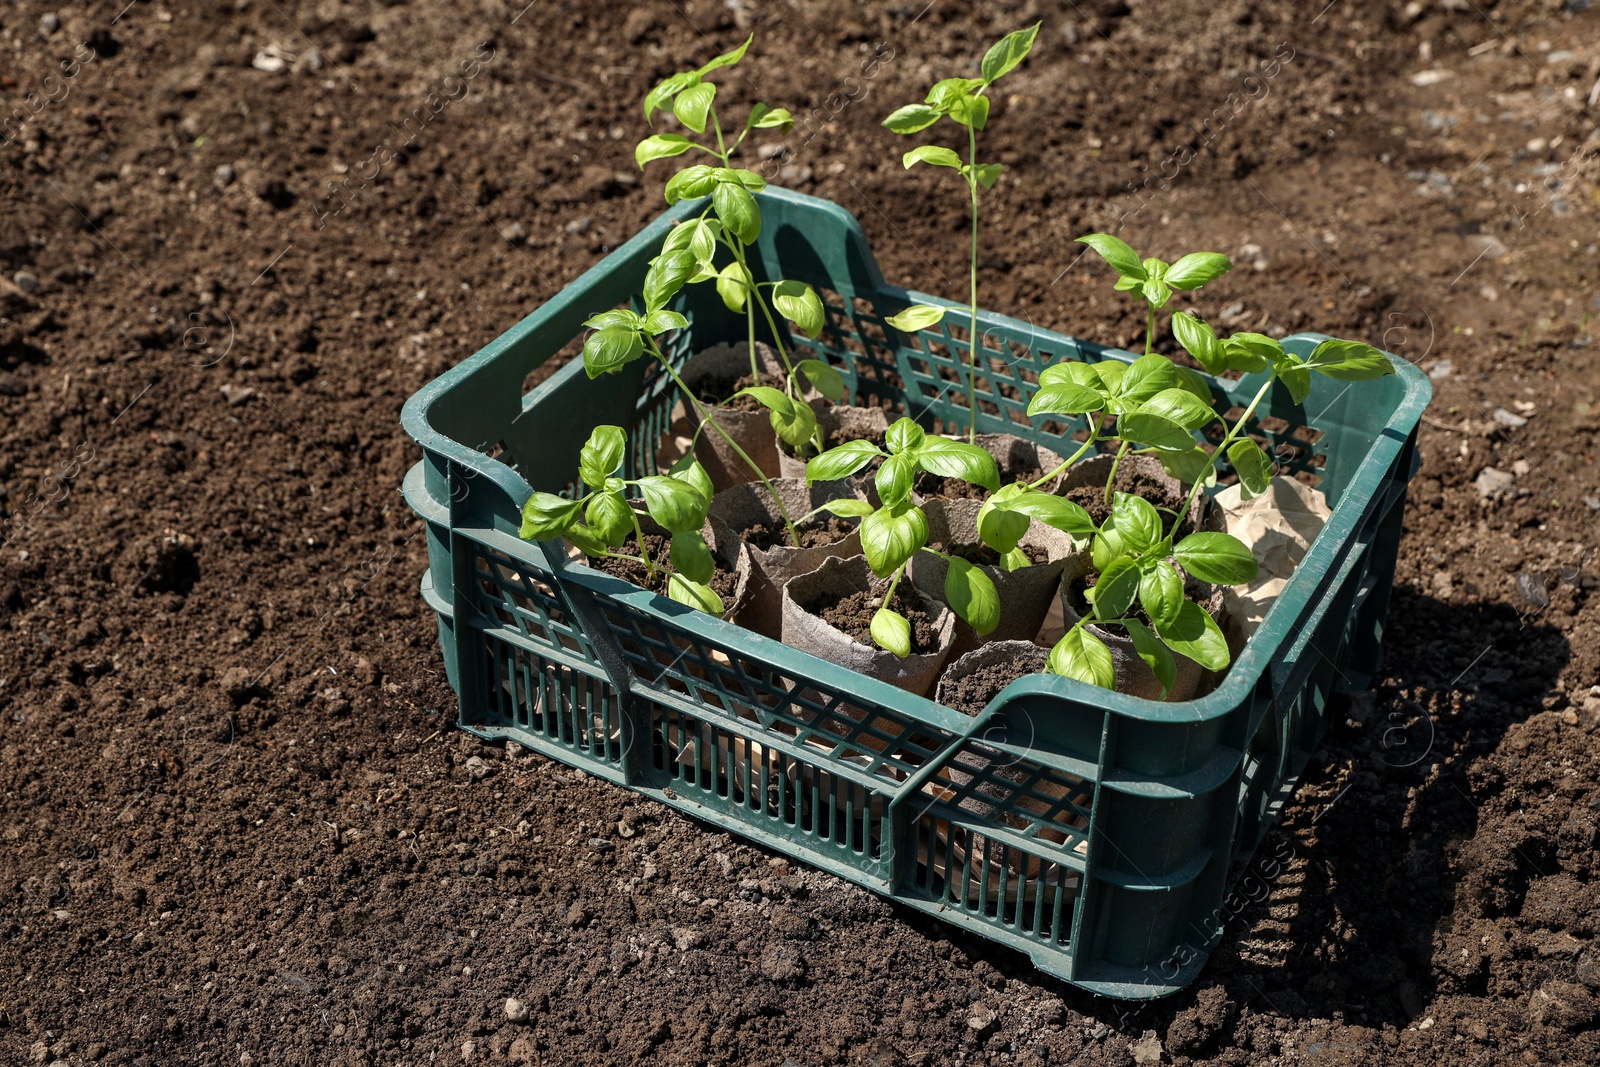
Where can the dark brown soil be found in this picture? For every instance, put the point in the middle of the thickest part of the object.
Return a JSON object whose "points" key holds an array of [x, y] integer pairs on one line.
{"points": [[984, 556], [234, 816], [853, 615], [819, 532], [932, 485], [723, 582], [1167, 501], [714, 390], [972, 692]]}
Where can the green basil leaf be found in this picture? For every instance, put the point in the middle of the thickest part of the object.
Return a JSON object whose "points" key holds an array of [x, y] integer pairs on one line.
{"points": [[1296, 378], [1199, 340], [1219, 558], [841, 462], [1180, 406], [1196, 635], [1106, 546], [733, 285], [546, 516], [589, 542], [668, 273], [1251, 352], [659, 96], [799, 303], [691, 558], [738, 210], [1115, 251], [608, 350], [1114, 592], [1197, 268], [1015, 560], [748, 179], [693, 104], [958, 459], [618, 317], [1136, 520], [823, 378], [797, 426], [1145, 377], [904, 436], [944, 94], [937, 155], [1001, 528], [1156, 291], [689, 470], [848, 508], [771, 399], [1350, 361], [1155, 431], [661, 321], [602, 454], [609, 518], [892, 632], [763, 117], [1253, 466], [675, 504], [1155, 655], [693, 594], [1071, 372], [1052, 510], [911, 118], [894, 479], [892, 535], [1188, 467], [727, 59], [690, 183], [660, 146], [1081, 655], [972, 595], [1065, 398], [1160, 592], [972, 110], [916, 317], [1007, 52]]}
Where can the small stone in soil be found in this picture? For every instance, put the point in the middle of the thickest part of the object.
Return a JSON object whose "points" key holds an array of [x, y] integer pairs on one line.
{"points": [[853, 615]]}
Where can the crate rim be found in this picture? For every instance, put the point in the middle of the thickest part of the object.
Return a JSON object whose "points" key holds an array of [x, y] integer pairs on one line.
{"points": [[1243, 674]]}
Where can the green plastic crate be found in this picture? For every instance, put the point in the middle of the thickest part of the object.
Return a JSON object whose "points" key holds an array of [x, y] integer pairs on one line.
{"points": [[1092, 830]]}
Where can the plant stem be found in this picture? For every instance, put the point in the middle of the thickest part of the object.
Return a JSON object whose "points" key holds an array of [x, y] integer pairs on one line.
{"points": [[1150, 329], [1094, 439], [894, 583], [1222, 449], [972, 352], [644, 553], [1123, 451], [689, 397]]}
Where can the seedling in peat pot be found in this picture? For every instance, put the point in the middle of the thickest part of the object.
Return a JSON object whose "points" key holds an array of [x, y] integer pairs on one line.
{"points": [[601, 520], [730, 223], [1161, 406], [962, 101], [897, 529]]}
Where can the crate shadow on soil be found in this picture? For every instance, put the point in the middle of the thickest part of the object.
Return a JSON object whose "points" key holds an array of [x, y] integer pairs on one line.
{"points": [[1345, 930]]}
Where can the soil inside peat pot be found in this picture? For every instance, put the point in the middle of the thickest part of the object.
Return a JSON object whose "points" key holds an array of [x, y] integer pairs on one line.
{"points": [[1166, 498], [981, 555], [853, 615], [820, 532], [723, 581], [969, 689], [714, 390]]}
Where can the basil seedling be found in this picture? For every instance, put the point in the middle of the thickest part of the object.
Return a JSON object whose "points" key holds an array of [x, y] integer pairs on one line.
{"points": [[962, 101]]}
